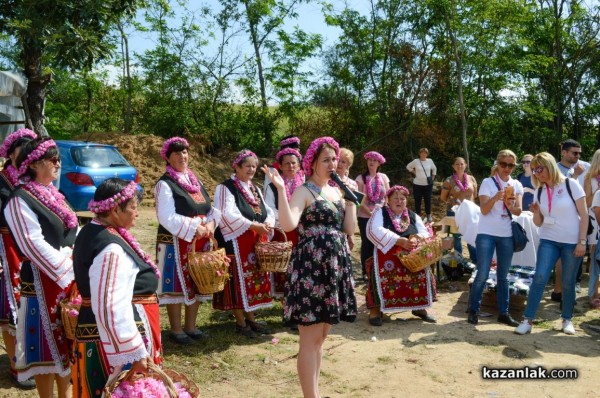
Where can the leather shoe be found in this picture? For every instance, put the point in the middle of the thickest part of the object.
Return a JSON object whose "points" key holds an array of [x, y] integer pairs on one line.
{"points": [[197, 334], [245, 331], [507, 320], [376, 321], [424, 315], [181, 338], [555, 296], [258, 328], [473, 319]]}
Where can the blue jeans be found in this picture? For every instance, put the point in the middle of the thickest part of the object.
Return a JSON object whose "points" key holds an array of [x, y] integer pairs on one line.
{"points": [[485, 246], [548, 252]]}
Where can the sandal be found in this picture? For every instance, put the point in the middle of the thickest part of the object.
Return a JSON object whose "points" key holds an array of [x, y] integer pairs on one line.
{"points": [[245, 331], [258, 328], [376, 321]]}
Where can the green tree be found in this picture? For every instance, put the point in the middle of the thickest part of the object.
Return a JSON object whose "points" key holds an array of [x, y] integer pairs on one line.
{"points": [[68, 34]]}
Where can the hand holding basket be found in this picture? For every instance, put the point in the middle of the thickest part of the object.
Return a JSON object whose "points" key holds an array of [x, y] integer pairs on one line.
{"points": [[273, 256], [209, 270], [69, 311], [427, 252]]}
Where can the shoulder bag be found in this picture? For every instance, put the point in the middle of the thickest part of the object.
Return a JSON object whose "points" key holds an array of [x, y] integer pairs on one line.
{"points": [[429, 177]]}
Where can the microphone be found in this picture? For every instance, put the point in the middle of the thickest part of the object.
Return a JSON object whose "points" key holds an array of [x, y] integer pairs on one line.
{"points": [[348, 194]]}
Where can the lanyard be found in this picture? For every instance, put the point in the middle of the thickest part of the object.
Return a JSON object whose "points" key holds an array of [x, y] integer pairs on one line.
{"points": [[550, 195]]}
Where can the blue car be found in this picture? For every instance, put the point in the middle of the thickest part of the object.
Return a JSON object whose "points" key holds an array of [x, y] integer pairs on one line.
{"points": [[85, 165]]}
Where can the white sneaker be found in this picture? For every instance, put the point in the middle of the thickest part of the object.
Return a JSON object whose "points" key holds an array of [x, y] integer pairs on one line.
{"points": [[524, 328], [567, 327], [577, 288]]}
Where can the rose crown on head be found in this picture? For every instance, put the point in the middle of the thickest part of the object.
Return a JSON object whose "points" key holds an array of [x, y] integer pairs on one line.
{"points": [[167, 144], [375, 156], [314, 146], [13, 137]]}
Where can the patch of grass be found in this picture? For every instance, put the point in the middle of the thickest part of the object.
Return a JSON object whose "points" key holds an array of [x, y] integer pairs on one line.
{"points": [[385, 360], [153, 224]]}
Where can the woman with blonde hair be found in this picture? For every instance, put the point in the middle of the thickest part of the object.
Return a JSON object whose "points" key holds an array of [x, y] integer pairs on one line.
{"points": [[499, 195], [560, 212], [591, 183], [343, 170]]}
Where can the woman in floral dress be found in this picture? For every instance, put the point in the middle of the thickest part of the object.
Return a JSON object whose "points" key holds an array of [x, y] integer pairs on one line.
{"points": [[319, 291], [394, 229]]}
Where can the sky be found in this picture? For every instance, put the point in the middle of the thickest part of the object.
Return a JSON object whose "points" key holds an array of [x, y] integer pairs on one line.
{"points": [[310, 18]]}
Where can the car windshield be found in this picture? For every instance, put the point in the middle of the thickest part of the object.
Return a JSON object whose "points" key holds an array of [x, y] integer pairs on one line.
{"points": [[97, 157]]}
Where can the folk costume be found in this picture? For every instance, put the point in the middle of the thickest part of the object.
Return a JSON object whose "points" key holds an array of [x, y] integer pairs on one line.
{"points": [[319, 286], [391, 286], [247, 288], [179, 213], [45, 239], [10, 258], [272, 200], [119, 321]]}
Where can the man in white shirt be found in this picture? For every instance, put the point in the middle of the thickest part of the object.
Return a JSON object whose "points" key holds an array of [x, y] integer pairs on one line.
{"points": [[571, 166]]}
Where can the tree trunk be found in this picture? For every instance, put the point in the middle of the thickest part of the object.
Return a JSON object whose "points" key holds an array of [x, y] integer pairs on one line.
{"points": [[127, 78], [461, 101], [261, 77], [37, 85]]}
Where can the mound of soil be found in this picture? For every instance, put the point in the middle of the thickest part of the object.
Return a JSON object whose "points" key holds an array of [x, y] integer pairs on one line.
{"points": [[143, 152]]}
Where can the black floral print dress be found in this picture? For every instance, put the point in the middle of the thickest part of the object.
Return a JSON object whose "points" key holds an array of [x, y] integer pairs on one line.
{"points": [[319, 286]]}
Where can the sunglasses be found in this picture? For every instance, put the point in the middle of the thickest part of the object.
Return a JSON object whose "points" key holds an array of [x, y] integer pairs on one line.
{"points": [[525, 161], [55, 160], [538, 170], [505, 165], [576, 153]]}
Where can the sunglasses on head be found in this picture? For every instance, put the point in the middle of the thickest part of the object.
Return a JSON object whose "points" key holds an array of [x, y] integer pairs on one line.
{"points": [[505, 165], [538, 170]]}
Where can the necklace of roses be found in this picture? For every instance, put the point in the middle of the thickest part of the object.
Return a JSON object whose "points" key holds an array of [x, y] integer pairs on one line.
{"points": [[54, 201], [133, 243], [12, 174], [292, 183], [400, 222], [194, 187], [253, 201], [464, 185], [374, 196]]}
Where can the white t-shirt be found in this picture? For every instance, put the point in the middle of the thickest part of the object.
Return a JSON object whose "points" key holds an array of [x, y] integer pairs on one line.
{"points": [[497, 221], [565, 228], [420, 176]]}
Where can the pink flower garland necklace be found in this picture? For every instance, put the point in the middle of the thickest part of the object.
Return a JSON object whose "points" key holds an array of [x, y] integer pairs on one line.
{"points": [[252, 201], [13, 175], [133, 243], [377, 195], [292, 183], [54, 201], [401, 222], [464, 185], [194, 187]]}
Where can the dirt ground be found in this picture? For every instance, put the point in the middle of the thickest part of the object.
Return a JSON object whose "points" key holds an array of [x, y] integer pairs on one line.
{"points": [[404, 358]]}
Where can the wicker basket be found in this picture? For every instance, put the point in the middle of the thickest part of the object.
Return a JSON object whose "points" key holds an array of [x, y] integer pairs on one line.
{"points": [[167, 377], [426, 253], [209, 270], [273, 256], [66, 308]]}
